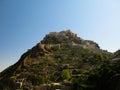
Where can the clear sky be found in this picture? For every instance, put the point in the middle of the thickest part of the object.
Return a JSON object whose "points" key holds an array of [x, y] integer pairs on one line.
{"points": [[23, 23]]}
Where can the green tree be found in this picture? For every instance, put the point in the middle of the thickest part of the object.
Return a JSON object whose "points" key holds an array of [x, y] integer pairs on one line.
{"points": [[100, 56], [66, 74]]}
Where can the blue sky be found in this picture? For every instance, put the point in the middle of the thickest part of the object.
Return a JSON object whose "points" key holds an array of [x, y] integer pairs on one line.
{"points": [[23, 23]]}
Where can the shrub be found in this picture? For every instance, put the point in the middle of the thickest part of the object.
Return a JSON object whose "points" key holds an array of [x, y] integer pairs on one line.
{"points": [[66, 74]]}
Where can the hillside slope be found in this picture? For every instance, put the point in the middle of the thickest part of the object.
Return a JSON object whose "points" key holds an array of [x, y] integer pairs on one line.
{"points": [[58, 58]]}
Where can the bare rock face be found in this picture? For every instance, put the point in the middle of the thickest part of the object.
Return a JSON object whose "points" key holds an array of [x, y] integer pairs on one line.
{"points": [[45, 48]]}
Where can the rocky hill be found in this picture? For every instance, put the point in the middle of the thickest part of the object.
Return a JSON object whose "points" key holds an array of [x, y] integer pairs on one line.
{"points": [[55, 63], [69, 38]]}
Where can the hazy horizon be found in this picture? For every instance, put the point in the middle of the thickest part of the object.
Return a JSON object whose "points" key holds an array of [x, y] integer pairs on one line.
{"points": [[23, 23]]}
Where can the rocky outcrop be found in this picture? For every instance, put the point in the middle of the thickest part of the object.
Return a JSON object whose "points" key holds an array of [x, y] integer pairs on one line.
{"points": [[69, 38], [45, 48], [61, 37]]}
